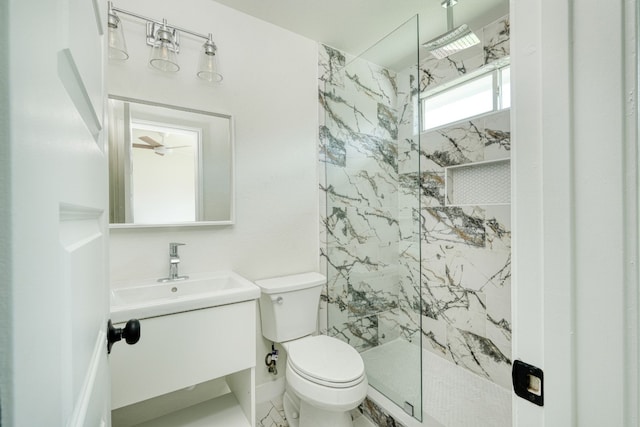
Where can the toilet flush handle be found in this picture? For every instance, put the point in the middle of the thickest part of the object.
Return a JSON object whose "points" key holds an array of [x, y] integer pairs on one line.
{"points": [[277, 299]]}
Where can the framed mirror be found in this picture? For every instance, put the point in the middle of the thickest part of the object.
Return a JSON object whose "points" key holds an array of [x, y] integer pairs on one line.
{"points": [[169, 165]]}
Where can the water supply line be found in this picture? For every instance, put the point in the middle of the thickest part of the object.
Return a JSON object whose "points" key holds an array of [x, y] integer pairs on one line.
{"points": [[270, 360]]}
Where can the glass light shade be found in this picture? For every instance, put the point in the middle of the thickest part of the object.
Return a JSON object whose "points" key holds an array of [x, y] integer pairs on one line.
{"points": [[163, 56], [208, 63], [117, 45], [208, 67]]}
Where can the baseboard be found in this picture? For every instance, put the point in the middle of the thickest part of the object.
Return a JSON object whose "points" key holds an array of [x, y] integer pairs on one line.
{"points": [[269, 390]]}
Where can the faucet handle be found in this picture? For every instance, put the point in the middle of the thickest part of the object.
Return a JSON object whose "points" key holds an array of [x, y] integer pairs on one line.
{"points": [[173, 248]]}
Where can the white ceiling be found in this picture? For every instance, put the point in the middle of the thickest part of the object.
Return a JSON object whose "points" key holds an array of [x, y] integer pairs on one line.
{"points": [[355, 25]]}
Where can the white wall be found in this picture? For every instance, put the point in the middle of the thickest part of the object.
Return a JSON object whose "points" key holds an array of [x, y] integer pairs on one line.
{"points": [[270, 89]]}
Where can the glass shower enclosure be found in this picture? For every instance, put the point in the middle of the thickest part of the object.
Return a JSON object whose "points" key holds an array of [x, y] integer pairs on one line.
{"points": [[369, 145]]}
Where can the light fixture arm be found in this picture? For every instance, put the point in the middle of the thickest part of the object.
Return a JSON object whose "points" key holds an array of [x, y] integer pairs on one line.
{"points": [[159, 22], [164, 41]]}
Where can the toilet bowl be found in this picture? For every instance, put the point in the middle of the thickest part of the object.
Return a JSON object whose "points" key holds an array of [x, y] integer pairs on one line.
{"points": [[325, 377], [325, 380]]}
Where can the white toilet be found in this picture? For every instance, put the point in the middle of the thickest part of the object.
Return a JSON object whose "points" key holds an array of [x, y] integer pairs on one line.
{"points": [[325, 377]]}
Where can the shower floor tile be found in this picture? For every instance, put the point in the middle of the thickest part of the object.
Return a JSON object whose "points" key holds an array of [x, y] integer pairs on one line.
{"points": [[452, 395], [394, 370]]}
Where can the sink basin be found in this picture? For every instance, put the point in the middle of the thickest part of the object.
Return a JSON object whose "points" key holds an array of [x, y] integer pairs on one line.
{"points": [[149, 298]]}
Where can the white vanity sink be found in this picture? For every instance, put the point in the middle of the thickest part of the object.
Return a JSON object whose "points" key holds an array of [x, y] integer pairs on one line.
{"points": [[191, 332], [149, 298]]}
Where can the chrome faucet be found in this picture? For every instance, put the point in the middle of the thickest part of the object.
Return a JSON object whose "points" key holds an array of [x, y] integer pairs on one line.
{"points": [[174, 260]]}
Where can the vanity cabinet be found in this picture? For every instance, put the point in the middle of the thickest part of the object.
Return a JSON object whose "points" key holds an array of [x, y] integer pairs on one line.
{"points": [[182, 350]]}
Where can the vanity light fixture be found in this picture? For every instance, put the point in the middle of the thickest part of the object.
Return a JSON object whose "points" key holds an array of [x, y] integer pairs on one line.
{"points": [[117, 45], [164, 49], [208, 64], [165, 46]]}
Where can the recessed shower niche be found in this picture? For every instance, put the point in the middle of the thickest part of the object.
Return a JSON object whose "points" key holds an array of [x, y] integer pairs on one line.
{"points": [[480, 183]]}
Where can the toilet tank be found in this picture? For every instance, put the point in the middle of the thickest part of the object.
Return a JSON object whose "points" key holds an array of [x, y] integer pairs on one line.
{"points": [[289, 305]]}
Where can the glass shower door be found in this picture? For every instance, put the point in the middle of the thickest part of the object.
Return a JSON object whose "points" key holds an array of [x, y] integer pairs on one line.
{"points": [[370, 147]]}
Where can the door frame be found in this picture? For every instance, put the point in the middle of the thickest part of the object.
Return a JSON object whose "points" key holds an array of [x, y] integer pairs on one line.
{"points": [[575, 209], [5, 224]]}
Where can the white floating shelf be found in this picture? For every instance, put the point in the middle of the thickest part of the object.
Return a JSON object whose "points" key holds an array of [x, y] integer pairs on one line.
{"points": [[223, 411]]}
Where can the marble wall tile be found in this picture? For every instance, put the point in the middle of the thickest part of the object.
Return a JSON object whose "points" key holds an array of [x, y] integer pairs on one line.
{"points": [[368, 81], [332, 150], [476, 268], [408, 155], [389, 327], [450, 146], [494, 45], [361, 334], [365, 104], [498, 331], [378, 415], [454, 224], [434, 337], [337, 297], [361, 225], [435, 72], [495, 40], [330, 65], [498, 227], [480, 355], [407, 107], [371, 292], [497, 135], [403, 264], [370, 187]]}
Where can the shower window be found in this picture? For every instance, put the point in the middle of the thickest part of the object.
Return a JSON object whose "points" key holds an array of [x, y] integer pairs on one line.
{"points": [[486, 93]]}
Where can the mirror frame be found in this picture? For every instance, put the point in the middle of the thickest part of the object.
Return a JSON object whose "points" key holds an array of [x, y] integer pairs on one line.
{"points": [[232, 189]]}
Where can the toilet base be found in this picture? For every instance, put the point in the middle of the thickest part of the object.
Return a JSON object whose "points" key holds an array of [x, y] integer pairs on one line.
{"points": [[302, 414]]}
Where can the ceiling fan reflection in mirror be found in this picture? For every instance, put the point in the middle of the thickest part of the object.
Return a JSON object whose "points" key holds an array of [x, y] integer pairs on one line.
{"points": [[158, 147]]}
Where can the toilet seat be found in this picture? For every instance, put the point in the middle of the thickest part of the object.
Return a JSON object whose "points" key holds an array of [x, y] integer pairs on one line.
{"points": [[326, 397], [326, 361]]}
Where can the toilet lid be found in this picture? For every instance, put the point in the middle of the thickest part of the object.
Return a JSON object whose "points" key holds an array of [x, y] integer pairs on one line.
{"points": [[326, 359]]}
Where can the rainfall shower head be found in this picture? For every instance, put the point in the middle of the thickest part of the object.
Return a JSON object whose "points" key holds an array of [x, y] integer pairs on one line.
{"points": [[454, 40]]}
